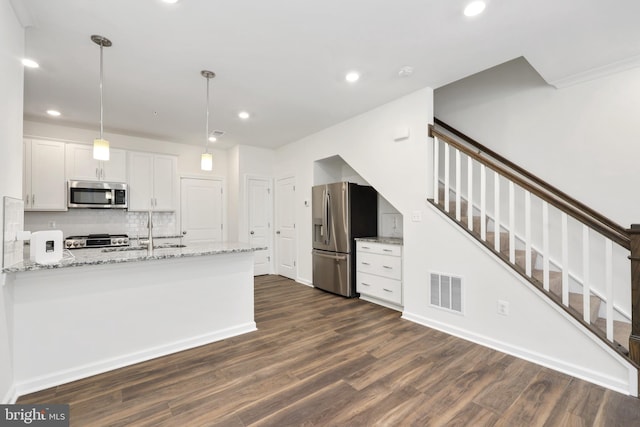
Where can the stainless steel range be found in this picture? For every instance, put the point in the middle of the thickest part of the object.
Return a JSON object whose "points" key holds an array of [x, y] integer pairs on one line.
{"points": [[96, 241]]}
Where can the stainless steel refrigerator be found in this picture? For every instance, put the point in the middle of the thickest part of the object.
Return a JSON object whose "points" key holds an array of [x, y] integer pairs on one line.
{"points": [[341, 212]]}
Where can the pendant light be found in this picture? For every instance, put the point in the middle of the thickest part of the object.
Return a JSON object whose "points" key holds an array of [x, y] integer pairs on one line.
{"points": [[101, 145], [206, 160]]}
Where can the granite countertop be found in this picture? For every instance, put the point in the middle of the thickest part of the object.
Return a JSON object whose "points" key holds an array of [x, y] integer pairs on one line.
{"points": [[101, 256], [381, 239]]}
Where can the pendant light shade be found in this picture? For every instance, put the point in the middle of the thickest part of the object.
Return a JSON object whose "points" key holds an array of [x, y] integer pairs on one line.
{"points": [[206, 160], [100, 149], [101, 145]]}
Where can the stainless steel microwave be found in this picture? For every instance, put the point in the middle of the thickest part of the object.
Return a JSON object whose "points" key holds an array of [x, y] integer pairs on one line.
{"points": [[98, 195]]}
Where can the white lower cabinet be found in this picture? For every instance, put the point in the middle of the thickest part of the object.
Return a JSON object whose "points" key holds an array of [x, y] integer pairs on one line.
{"points": [[379, 273]]}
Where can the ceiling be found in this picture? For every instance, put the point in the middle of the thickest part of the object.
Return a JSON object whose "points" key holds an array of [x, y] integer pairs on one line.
{"points": [[284, 61]]}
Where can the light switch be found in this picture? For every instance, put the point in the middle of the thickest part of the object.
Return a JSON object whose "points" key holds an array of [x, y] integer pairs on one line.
{"points": [[416, 216]]}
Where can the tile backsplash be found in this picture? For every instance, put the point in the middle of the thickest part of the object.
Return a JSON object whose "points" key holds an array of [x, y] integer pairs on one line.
{"points": [[79, 222], [13, 220]]}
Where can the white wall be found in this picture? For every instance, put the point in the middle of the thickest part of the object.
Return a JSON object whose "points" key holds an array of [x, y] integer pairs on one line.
{"points": [[398, 170], [11, 88], [401, 172]]}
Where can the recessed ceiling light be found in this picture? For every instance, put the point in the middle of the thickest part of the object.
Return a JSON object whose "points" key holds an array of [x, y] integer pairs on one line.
{"points": [[53, 113], [30, 63], [212, 138], [352, 77], [244, 115], [474, 8], [405, 71], [170, 1]]}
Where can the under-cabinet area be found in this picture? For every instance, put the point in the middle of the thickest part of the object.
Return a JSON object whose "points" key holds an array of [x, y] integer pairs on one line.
{"points": [[379, 271]]}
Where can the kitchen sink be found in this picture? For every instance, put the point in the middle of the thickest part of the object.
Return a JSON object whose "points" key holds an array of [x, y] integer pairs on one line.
{"points": [[144, 248]]}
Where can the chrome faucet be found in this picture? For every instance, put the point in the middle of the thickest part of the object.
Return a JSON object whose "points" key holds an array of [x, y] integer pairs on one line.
{"points": [[150, 239]]}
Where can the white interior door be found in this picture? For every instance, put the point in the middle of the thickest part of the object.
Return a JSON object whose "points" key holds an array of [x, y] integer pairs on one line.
{"points": [[259, 214], [286, 228], [201, 210]]}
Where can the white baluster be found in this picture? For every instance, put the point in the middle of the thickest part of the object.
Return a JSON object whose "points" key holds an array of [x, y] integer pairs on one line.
{"points": [[527, 232], [586, 287], [436, 169], [545, 245], [496, 209], [483, 202], [447, 181], [609, 286], [470, 192], [458, 185], [565, 259], [512, 223]]}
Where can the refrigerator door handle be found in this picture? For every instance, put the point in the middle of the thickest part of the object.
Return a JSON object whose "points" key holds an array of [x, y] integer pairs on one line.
{"points": [[323, 226], [336, 257], [329, 219]]}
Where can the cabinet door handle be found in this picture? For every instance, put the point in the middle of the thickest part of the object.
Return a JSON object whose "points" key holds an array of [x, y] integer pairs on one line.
{"points": [[387, 267], [33, 200], [387, 250], [387, 290]]}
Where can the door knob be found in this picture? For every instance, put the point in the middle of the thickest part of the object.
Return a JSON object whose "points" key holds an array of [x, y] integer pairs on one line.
{"points": [[278, 232], [184, 233], [252, 232]]}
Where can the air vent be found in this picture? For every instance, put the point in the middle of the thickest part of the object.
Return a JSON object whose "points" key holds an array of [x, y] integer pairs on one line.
{"points": [[446, 292], [217, 133]]}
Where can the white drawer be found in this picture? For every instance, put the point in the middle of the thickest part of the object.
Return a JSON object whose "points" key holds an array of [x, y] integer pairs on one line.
{"points": [[379, 248], [381, 265], [379, 287]]}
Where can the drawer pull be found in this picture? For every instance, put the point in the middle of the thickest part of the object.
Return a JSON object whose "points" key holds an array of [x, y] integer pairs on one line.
{"points": [[366, 247], [388, 250], [365, 263], [387, 290], [387, 267], [365, 284]]}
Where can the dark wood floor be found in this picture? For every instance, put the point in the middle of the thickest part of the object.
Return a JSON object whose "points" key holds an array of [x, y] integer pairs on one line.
{"points": [[322, 360]]}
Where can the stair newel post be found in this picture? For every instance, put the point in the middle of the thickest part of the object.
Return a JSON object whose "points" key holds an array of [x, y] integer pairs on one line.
{"points": [[634, 339]]}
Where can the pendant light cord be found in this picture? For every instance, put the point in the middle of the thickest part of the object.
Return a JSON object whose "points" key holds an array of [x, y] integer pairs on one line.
{"points": [[101, 107], [206, 138]]}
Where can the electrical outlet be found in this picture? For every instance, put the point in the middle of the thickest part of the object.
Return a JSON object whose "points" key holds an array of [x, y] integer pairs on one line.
{"points": [[503, 308]]}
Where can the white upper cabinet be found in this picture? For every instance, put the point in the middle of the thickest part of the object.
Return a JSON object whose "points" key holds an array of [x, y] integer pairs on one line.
{"points": [[81, 165], [45, 187], [152, 181]]}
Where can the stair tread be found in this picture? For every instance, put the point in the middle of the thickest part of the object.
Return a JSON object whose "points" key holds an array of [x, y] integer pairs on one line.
{"points": [[621, 330]]}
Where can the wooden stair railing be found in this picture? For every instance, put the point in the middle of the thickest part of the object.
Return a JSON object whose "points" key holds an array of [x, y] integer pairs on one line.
{"points": [[634, 339], [526, 260]]}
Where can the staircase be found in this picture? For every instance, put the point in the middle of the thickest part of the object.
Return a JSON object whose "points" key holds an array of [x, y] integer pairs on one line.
{"points": [[576, 305], [470, 183]]}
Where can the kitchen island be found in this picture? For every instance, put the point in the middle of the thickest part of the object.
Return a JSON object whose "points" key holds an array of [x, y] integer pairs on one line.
{"points": [[103, 309]]}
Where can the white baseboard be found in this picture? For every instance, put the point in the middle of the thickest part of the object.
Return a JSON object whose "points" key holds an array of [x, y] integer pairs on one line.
{"points": [[522, 353], [381, 302], [11, 396], [62, 377], [305, 282]]}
